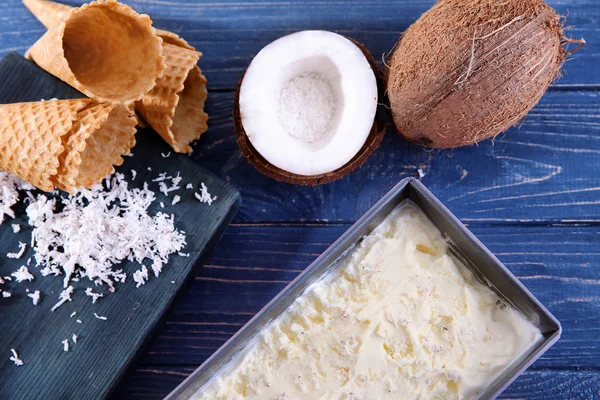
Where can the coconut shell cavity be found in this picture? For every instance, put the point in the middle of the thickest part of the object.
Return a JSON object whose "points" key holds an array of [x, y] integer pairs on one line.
{"points": [[305, 109]]}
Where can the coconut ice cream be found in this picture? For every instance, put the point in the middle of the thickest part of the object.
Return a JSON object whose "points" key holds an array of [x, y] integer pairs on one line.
{"points": [[398, 318]]}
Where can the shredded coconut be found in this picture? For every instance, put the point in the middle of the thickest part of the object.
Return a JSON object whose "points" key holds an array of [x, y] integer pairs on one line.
{"points": [[140, 276], [161, 177], [97, 229], [189, 186], [204, 196], [15, 358], [133, 174], [35, 297], [307, 106], [421, 173], [157, 268], [23, 274], [19, 254], [74, 313], [86, 235], [162, 185], [9, 193], [93, 295], [167, 155], [63, 297], [162, 205]]}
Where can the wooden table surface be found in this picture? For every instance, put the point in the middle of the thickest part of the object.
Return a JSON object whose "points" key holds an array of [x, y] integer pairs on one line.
{"points": [[533, 198]]}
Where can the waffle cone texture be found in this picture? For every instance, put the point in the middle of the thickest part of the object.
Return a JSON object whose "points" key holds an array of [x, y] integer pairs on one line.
{"points": [[104, 49], [68, 144], [174, 107]]}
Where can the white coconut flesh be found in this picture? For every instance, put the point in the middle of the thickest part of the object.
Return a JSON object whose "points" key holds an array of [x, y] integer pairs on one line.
{"points": [[308, 102]]}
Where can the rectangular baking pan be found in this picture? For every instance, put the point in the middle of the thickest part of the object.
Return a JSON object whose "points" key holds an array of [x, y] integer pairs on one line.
{"points": [[463, 244]]}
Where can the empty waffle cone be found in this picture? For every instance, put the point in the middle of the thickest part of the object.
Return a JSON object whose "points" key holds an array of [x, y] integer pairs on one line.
{"points": [[175, 106], [50, 12], [47, 12], [103, 49], [67, 144]]}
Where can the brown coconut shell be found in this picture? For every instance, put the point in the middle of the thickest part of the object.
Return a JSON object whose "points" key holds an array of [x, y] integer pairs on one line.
{"points": [[468, 70], [263, 166]]}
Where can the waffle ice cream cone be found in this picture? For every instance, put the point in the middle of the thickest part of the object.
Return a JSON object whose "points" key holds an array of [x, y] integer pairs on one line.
{"points": [[103, 49], [47, 12], [173, 38], [67, 144], [50, 12], [175, 106]]}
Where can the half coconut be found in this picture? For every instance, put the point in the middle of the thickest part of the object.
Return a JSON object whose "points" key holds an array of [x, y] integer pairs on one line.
{"points": [[305, 110]]}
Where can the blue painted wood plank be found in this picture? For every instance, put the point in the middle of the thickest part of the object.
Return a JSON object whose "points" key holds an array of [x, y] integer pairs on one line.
{"points": [[155, 382], [230, 33], [558, 264], [543, 171]]}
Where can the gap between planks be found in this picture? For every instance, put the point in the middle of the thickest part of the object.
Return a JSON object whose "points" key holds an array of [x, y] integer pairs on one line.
{"points": [[466, 221]]}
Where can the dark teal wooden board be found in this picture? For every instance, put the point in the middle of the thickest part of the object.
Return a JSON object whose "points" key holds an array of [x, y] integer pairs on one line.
{"points": [[93, 366]]}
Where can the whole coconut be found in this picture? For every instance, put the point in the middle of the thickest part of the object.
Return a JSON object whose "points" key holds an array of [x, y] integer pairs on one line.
{"points": [[468, 70]]}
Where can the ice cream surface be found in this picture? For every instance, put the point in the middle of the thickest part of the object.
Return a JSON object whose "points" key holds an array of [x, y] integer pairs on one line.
{"points": [[399, 318]]}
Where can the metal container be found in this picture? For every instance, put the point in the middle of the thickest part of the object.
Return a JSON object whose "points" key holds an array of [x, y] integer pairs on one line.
{"points": [[463, 244]]}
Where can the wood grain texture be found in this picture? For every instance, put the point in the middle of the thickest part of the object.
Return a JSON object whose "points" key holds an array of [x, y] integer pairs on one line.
{"points": [[539, 172], [231, 32]]}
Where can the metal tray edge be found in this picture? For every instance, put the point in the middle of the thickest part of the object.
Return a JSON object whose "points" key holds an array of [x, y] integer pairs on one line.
{"points": [[403, 190]]}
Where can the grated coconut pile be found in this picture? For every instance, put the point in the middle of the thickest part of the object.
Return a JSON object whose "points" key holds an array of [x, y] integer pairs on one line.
{"points": [[97, 229], [9, 193], [84, 237]]}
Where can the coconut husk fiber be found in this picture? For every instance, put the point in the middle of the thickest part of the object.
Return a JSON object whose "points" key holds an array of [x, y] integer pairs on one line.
{"points": [[174, 107], [104, 49], [69, 144], [468, 70], [266, 168]]}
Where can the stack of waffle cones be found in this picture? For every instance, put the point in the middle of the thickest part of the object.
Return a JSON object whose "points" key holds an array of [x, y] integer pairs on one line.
{"points": [[113, 55], [174, 106], [67, 144]]}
